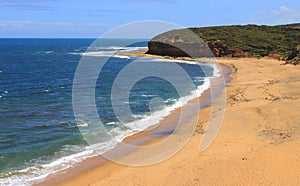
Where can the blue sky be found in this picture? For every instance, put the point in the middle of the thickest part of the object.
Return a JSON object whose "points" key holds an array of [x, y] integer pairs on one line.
{"points": [[92, 18]]}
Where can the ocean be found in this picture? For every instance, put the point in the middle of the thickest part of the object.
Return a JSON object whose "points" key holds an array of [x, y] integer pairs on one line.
{"points": [[38, 131]]}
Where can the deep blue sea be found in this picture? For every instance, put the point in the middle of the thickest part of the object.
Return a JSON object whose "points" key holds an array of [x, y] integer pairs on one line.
{"points": [[38, 132]]}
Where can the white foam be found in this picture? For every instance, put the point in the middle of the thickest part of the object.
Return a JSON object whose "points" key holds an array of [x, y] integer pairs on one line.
{"points": [[148, 95], [106, 51], [157, 116], [49, 52], [117, 48], [93, 53], [216, 72], [215, 66], [101, 54], [32, 175], [40, 172], [121, 56], [170, 100], [111, 123], [82, 123], [127, 102]]}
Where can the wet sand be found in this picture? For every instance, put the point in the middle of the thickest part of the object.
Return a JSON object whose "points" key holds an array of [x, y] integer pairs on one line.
{"points": [[258, 143]]}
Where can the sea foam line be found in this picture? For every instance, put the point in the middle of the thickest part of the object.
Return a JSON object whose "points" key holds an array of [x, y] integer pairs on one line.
{"points": [[38, 173], [100, 54], [111, 53]]}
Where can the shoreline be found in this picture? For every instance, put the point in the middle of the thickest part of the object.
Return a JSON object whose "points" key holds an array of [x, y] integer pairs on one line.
{"points": [[151, 135], [258, 142]]}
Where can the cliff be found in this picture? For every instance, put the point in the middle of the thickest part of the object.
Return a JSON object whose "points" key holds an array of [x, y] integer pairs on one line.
{"points": [[179, 43], [230, 41], [218, 49]]}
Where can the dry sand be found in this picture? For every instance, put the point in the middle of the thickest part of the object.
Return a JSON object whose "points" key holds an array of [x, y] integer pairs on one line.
{"points": [[259, 142]]}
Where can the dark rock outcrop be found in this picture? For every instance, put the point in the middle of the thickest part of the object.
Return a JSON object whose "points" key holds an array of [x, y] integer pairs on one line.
{"points": [[164, 49], [179, 43], [294, 57], [181, 49], [178, 49]]}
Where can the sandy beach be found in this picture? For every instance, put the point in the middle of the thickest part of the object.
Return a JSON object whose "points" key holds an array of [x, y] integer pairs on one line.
{"points": [[149, 93], [258, 143]]}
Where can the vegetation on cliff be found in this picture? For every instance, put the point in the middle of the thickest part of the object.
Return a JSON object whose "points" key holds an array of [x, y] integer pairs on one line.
{"points": [[240, 41], [253, 39]]}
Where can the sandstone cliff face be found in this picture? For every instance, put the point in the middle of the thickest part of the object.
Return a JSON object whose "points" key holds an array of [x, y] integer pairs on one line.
{"points": [[220, 49], [164, 49], [228, 41], [179, 43], [177, 48]]}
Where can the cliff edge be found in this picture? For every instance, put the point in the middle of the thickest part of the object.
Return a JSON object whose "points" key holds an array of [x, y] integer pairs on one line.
{"points": [[281, 42]]}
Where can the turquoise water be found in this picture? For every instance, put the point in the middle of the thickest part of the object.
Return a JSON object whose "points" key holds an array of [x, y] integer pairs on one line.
{"points": [[38, 132]]}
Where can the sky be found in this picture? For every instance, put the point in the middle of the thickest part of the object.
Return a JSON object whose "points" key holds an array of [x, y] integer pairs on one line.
{"points": [[92, 18]]}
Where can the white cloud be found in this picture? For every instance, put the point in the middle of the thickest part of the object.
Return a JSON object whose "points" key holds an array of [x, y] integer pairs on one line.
{"points": [[45, 29], [21, 23], [282, 15], [286, 9], [27, 4], [29, 7], [6, 24], [24, 1]]}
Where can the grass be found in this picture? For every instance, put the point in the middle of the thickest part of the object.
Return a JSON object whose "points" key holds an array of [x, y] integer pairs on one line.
{"points": [[256, 40]]}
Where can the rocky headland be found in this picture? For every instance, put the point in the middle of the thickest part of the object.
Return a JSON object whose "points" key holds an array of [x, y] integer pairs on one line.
{"points": [[280, 42]]}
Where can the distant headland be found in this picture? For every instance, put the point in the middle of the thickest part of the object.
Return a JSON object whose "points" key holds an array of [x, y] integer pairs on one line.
{"points": [[281, 42]]}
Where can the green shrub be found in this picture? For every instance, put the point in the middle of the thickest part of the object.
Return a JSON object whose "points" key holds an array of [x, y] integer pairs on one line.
{"points": [[257, 40]]}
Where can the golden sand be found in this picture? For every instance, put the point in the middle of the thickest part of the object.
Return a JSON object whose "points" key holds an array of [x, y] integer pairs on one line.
{"points": [[259, 142]]}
